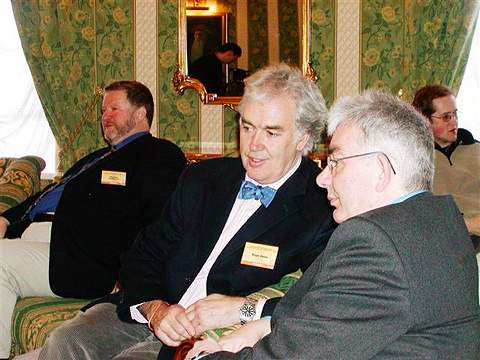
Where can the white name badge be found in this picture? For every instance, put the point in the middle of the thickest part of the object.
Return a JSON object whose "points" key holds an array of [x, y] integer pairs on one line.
{"points": [[114, 178], [259, 255]]}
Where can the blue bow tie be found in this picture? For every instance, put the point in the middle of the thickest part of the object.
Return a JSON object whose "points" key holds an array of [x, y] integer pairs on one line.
{"points": [[249, 190]]}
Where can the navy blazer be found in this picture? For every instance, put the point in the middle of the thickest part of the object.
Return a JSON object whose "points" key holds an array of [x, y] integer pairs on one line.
{"points": [[96, 223], [168, 254]]}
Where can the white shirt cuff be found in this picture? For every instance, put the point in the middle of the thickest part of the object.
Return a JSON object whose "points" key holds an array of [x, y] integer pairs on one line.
{"points": [[136, 315], [259, 308]]}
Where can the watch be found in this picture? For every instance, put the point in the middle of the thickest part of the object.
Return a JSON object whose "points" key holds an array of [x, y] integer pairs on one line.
{"points": [[248, 310]]}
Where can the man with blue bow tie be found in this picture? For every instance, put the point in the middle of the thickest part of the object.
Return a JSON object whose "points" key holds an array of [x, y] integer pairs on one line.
{"points": [[232, 227]]}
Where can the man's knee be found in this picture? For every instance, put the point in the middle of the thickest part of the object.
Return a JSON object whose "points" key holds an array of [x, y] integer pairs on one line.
{"points": [[83, 329], [68, 335]]}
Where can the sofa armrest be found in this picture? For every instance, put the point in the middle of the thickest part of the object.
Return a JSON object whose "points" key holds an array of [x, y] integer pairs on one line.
{"points": [[273, 291], [19, 180]]}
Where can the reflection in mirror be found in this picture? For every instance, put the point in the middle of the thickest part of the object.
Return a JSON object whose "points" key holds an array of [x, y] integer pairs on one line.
{"points": [[267, 32]]}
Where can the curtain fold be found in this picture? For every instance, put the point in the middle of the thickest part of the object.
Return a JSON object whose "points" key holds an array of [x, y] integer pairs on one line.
{"points": [[410, 43], [72, 47]]}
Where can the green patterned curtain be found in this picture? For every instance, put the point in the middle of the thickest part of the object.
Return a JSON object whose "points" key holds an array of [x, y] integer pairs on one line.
{"points": [[408, 44], [73, 46]]}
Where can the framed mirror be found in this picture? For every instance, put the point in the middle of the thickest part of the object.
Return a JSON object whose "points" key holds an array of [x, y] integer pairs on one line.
{"points": [[280, 31]]}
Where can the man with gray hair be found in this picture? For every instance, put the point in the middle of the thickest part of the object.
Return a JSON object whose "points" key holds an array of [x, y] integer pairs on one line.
{"points": [[232, 227], [398, 278]]}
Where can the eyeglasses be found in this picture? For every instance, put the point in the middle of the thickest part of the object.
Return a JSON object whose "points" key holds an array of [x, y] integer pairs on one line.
{"points": [[332, 162], [446, 117]]}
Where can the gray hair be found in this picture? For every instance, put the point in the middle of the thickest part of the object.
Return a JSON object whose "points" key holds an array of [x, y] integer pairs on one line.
{"points": [[394, 127], [282, 79]]}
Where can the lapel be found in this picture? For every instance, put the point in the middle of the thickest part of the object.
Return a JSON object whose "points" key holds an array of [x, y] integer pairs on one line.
{"points": [[285, 203], [218, 207]]}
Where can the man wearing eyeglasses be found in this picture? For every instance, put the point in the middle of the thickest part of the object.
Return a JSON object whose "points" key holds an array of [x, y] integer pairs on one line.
{"points": [[457, 155], [398, 278]]}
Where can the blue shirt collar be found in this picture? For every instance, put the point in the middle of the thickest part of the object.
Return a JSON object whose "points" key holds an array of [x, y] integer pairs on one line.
{"points": [[128, 140], [407, 196]]}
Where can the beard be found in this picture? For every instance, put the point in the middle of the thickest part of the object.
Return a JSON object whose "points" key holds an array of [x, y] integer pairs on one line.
{"points": [[117, 133]]}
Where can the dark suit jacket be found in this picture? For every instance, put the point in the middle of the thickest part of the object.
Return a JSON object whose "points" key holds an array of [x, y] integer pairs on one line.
{"points": [[398, 282], [95, 223], [168, 254]]}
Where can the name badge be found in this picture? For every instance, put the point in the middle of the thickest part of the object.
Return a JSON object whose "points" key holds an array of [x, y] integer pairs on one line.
{"points": [[259, 255], [114, 178]]}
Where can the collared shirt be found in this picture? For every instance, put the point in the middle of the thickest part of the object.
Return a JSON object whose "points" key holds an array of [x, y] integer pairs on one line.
{"points": [[241, 211], [407, 196], [49, 201]]}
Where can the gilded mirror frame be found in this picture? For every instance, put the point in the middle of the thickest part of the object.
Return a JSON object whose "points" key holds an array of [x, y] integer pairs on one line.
{"points": [[181, 81]]}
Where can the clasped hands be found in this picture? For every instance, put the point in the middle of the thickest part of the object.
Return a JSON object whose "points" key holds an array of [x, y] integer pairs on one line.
{"points": [[173, 324]]}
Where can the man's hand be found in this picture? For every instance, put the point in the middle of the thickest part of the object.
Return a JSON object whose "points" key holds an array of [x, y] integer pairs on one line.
{"points": [[169, 322], [247, 336], [214, 311], [3, 226]]}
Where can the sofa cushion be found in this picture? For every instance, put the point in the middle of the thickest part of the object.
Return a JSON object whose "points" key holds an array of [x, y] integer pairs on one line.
{"points": [[34, 318], [19, 179]]}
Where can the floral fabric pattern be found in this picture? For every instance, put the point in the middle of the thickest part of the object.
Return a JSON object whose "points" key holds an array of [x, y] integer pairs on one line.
{"points": [[408, 44], [19, 179]]}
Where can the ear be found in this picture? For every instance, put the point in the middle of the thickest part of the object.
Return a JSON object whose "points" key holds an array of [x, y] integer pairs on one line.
{"points": [[303, 142], [385, 173], [140, 113]]}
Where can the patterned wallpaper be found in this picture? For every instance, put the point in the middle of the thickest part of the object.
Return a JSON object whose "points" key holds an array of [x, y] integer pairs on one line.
{"points": [[178, 115]]}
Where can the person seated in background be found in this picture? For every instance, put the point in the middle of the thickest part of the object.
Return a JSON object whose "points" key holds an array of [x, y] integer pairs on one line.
{"points": [[209, 68], [398, 278], [457, 154], [74, 233], [232, 227]]}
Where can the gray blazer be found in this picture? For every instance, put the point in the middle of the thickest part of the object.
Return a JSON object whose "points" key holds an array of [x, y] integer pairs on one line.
{"points": [[399, 282]]}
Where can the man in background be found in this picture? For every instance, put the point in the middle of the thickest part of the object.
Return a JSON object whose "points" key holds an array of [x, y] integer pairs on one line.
{"points": [[457, 154], [398, 278], [232, 227], [209, 69], [68, 240]]}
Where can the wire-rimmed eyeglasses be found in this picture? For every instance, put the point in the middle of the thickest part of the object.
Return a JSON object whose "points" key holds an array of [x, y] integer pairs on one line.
{"points": [[446, 117], [332, 162]]}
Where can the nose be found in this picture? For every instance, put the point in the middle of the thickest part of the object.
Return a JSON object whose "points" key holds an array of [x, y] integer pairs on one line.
{"points": [[324, 179], [256, 143], [105, 115]]}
